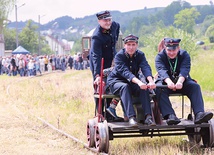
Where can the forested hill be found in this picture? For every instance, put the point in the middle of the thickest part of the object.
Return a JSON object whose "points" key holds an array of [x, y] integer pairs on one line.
{"points": [[128, 20], [89, 22]]}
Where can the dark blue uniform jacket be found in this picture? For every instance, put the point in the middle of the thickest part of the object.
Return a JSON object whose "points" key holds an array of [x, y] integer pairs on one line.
{"points": [[127, 68], [103, 46], [165, 70]]}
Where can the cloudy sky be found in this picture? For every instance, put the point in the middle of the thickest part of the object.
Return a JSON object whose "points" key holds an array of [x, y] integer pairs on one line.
{"points": [[52, 9]]}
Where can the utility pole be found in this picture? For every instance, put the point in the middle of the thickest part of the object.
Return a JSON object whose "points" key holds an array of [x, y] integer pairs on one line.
{"points": [[39, 37], [17, 39], [16, 27]]}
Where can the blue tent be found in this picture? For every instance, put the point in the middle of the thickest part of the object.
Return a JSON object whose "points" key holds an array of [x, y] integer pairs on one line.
{"points": [[20, 50]]}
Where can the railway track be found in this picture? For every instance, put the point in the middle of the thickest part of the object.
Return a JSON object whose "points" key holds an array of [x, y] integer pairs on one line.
{"points": [[61, 132], [69, 136]]}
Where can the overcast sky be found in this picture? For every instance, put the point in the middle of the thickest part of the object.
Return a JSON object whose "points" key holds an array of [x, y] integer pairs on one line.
{"points": [[52, 9]]}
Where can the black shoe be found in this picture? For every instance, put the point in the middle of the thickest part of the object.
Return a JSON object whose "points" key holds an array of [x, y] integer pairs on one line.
{"points": [[149, 121], [172, 120], [203, 117], [132, 121]]}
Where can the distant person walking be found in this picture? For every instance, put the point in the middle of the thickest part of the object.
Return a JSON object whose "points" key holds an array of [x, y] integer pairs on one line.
{"points": [[46, 61], [70, 62], [21, 66], [42, 64]]}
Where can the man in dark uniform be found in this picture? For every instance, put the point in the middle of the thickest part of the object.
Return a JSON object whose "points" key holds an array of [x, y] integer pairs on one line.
{"points": [[173, 67], [124, 79], [103, 45]]}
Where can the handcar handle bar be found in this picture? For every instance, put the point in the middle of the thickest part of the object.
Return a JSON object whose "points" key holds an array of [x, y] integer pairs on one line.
{"points": [[161, 86]]}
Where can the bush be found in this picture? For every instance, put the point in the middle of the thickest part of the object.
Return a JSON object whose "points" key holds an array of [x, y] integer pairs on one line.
{"points": [[187, 39]]}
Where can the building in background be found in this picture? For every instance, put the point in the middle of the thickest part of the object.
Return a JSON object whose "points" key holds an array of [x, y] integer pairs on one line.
{"points": [[60, 47]]}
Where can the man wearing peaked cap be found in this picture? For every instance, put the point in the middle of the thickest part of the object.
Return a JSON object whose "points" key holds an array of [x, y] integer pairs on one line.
{"points": [[111, 108], [124, 79], [103, 45], [173, 66]]}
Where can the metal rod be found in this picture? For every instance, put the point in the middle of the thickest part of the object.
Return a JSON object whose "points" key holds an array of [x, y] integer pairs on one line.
{"points": [[39, 35], [100, 90], [151, 135], [182, 106], [16, 26]]}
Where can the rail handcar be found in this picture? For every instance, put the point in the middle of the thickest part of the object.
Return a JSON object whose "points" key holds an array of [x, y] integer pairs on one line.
{"points": [[100, 132]]}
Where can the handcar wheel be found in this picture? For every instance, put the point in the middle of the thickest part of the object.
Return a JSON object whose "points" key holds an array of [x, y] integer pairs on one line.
{"points": [[91, 132], [107, 136], [195, 139], [100, 137], [208, 135], [211, 122]]}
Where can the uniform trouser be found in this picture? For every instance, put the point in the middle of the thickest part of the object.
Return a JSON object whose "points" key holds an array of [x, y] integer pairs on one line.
{"points": [[190, 88], [126, 91]]}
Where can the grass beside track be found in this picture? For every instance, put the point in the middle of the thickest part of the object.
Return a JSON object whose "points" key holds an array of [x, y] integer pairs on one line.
{"points": [[66, 101]]}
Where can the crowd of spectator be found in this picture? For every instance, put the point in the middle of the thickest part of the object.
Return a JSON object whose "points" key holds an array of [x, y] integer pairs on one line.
{"points": [[32, 65]]}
